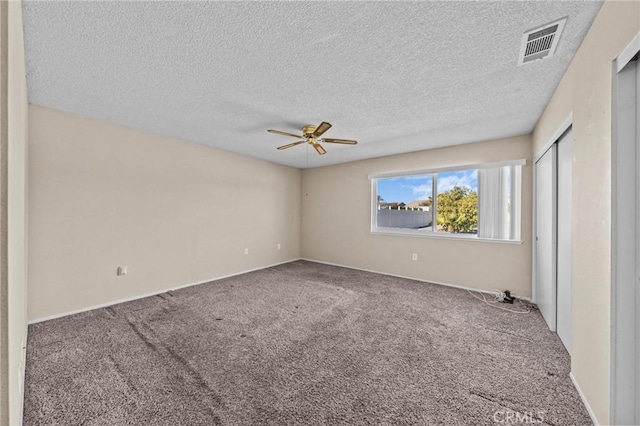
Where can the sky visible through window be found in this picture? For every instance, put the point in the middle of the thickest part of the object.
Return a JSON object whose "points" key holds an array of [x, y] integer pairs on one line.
{"points": [[411, 188]]}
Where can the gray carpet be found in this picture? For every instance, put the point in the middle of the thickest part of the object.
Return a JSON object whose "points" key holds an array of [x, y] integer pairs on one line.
{"points": [[300, 344]]}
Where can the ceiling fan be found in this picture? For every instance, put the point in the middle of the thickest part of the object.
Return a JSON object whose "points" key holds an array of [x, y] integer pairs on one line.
{"points": [[311, 135]]}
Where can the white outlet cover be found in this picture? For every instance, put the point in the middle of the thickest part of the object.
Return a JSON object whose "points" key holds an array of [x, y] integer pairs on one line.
{"points": [[246, 251], [414, 256]]}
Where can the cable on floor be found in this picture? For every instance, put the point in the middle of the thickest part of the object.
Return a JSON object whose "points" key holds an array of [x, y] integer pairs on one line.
{"points": [[493, 304]]}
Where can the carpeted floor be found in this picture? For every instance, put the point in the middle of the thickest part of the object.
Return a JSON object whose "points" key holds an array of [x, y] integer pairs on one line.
{"points": [[300, 344]]}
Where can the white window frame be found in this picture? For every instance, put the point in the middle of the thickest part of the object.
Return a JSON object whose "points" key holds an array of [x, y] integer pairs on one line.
{"points": [[434, 173]]}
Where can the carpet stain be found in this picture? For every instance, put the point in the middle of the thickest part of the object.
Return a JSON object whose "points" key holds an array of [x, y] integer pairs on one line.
{"points": [[126, 378], [166, 296], [142, 336], [200, 381], [179, 364], [529, 416]]}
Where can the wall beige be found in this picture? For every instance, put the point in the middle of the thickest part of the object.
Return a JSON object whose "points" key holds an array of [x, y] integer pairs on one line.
{"points": [[173, 212], [4, 281], [586, 90], [13, 177], [336, 222]]}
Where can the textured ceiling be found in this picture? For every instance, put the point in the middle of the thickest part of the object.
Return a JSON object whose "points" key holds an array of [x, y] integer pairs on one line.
{"points": [[396, 76]]}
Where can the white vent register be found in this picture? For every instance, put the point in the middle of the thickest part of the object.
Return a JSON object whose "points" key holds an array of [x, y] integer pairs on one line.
{"points": [[541, 42]]}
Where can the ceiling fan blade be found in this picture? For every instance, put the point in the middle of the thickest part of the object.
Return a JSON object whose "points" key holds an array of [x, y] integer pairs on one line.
{"points": [[323, 127], [319, 148], [343, 141], [290, 145], [279, 132]]}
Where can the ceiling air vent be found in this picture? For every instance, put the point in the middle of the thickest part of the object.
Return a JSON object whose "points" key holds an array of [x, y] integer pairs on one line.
{"points": [[541, 42]]}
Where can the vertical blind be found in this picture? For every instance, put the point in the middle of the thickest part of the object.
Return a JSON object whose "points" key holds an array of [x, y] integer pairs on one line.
{"points": [[499, 202]]}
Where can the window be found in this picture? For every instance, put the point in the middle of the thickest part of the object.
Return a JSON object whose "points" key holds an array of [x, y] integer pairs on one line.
{"points": [[479, 201]]}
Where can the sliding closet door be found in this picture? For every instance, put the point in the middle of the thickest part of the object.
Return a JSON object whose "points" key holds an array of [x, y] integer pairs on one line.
{"points": [[636, 361], [625, 358], [545, 236], [564, 278]]}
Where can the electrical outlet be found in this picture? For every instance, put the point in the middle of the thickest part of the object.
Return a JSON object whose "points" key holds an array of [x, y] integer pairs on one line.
{"points": [[414, 256], [122, 270], [246, 251], [278, 246]]}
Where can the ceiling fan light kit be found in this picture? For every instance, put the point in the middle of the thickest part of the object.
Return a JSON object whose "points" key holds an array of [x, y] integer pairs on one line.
{"points": [[311, 135]]}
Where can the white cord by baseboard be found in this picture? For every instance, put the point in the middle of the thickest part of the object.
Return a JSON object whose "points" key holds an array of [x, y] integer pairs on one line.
{"points": [[499, 297]]}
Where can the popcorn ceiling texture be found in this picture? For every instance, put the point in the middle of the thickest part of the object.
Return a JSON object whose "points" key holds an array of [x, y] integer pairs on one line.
{"points": [[300, 344], [397, 76]]}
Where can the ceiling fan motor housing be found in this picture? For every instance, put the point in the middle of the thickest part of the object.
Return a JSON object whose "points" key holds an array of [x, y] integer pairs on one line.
{"points": [[307, 131]]}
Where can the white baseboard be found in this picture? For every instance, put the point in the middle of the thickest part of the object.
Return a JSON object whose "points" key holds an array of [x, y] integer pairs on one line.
{"points": [[584, 400], [142, 296], [155, 293], [412, 278]]}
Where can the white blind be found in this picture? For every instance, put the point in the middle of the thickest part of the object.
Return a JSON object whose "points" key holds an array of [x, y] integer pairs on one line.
{"points": [[499, 202]]}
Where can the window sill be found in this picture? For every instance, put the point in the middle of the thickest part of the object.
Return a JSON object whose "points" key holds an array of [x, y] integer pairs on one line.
{"points": [[439, 235]]}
